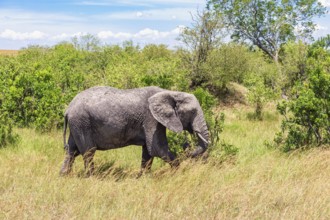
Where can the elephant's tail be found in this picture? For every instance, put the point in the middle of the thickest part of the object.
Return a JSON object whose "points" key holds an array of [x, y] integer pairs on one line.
{"points": [[66, 146]]}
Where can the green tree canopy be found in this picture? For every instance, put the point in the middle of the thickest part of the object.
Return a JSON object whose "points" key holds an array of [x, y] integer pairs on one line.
{"points": [[268, 24]]}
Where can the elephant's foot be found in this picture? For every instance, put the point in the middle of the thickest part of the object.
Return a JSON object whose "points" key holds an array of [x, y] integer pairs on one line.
{"points": [[170, 158], [174, 163], [88, 161], [64, 172], [145, 163], [139, 174], [89, 169], [67, 165]]}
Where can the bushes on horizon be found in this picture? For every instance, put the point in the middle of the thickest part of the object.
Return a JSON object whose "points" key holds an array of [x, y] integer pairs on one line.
{"points": [[40, 81]]}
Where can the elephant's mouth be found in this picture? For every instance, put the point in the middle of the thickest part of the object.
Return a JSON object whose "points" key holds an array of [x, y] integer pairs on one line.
{"points": [[202, 145]]}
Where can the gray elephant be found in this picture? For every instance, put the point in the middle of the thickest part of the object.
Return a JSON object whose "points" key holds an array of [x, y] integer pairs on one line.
{"points": [[102, 118]]}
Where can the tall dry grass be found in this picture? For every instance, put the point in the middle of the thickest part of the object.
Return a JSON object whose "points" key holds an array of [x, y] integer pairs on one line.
{"points": [[9, 52], [262, 183]]}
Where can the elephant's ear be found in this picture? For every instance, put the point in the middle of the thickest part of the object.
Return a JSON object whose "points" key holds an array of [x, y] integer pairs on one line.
{"points": [[163, 108]]}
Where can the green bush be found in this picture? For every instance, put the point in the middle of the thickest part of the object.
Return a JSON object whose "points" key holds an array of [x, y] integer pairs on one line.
{"points": [[294, 65], [259, 94], [218, 148], [228, 63], [7, 135], [207, 102], [307, 114], [178, 142]]}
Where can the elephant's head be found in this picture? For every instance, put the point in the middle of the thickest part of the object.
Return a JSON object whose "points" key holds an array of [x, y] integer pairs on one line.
{"points": [[181, 111]]}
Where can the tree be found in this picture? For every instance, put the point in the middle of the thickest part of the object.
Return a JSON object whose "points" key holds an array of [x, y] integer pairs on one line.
{"points": [[323, 42], [204, 35], [268, 24], [87, 42]]}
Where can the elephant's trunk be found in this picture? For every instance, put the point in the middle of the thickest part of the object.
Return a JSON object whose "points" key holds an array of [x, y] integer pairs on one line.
{"points": [[200, 128]]}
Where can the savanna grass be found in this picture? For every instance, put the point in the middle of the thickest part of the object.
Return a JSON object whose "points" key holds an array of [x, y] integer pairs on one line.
{"points": [[262, 183]]}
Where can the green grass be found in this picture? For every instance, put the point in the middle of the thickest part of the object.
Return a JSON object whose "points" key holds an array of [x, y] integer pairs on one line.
{"points": [[261, 183]]}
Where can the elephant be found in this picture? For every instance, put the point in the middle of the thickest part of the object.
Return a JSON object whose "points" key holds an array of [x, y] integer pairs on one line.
{"points": [[103, 118]]}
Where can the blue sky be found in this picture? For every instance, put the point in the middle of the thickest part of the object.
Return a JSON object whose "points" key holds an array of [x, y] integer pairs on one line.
{"points": [[47, 22]]}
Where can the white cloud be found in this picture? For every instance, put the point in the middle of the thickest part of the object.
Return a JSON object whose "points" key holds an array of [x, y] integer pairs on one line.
{"points": [[165, 14], [19, 28], [13, 35], [150, 33], [321, 28], [65, 36], [57, 23], [61, 37], [110, 34], [146, 3], [113, 3], [146, 33], [325, 3], [139, 14]]}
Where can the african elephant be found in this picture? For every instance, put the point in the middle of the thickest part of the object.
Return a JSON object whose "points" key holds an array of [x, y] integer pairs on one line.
{"points": [[102, 118]]}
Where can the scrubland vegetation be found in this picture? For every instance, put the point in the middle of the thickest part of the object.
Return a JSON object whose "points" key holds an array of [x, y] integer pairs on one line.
{"points": [[267, 108]]}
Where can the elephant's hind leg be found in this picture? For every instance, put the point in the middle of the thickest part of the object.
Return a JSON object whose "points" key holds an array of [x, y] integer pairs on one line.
{"points": [[71, 153], [88, 161], [83, 138]]}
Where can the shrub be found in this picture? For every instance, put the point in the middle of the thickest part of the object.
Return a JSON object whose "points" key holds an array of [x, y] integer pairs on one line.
{"points": [[307, 114], [218, 148], [207, 102], [6, 132], [259, 94]]}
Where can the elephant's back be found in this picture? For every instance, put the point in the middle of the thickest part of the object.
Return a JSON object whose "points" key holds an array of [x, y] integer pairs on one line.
{"points": [[86, 97], [104, 99]]}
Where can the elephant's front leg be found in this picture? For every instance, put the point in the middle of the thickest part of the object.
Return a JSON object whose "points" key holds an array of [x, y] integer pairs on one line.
{"points": [[146, 162], [147, 159], [158, 146], [171, 159]]}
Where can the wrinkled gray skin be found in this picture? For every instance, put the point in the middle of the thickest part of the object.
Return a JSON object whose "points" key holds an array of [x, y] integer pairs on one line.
{"points": [[103, 118]]}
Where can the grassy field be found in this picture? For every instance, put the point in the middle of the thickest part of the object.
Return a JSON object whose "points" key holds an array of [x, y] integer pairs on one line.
{"points": [[261, 183]]}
